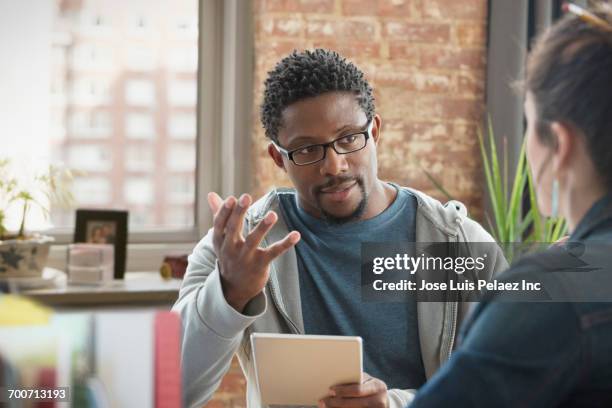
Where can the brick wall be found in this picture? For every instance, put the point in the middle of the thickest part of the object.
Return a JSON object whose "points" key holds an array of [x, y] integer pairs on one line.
{"points": [[426, 62]]}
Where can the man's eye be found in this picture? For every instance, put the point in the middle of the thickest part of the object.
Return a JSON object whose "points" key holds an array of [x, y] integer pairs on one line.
{"points": [[350, 139], [306, 150]]}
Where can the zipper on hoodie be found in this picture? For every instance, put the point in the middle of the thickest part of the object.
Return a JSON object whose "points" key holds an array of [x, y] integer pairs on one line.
{"points": [[454, 306], [292, 326], [281, 309], [453, 330], [446, 353]]}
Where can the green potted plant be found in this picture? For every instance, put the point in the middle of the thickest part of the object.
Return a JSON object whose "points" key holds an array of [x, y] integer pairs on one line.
{"points": [[515, 228], [24, 254]]}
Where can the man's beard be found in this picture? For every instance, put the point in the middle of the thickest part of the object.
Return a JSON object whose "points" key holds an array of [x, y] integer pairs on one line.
{"points": [[357, 212]]}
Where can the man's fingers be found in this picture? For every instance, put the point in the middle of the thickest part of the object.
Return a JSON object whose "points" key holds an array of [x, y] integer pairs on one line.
{"points": [[281, 246], [254, 238], [370, 401], [221, 220], [369, 386], [233, 228], [214, 202]]}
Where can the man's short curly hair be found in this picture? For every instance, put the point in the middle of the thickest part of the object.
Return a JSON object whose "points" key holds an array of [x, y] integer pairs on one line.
{"points": [[306, 74]]}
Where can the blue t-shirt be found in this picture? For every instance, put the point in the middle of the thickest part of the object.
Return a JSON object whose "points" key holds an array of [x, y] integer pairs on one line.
{"points": [[329, 264]]}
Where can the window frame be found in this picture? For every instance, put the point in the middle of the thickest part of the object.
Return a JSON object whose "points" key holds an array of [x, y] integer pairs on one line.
{"points": [[225, 93]]}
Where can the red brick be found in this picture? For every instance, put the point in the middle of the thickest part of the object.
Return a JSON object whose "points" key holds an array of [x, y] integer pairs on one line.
{"points": [[471, 34], [215, 403], [359, 7], [238, 403], [394, 103], [427, 131], [232, 383], [274, 49], [404, 51], [448, 108], [471, 83], [410, 79], [345, 29], [430, 109], [298, 6], [380, 8], [466, 132], [351, 50], [452, 58], [396, 8], [456, 10], [281, 26], [417, 32]]}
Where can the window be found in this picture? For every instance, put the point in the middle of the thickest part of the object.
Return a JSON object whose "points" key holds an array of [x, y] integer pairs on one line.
{"points": [[140, 92], [182, 126], [90, 91], [140, 126], [140, 58], [179, 215], [93, 57], [97, 78], [181, 158], [180, 189], [183, 93], [140, 25], [183, 59], [91, 124], [89, 158], [94, 21], [99, 66], [184, 27], [95, 191], [139, 158], [139, 190]]}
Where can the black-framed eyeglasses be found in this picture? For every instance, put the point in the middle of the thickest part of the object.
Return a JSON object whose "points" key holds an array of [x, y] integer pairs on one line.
{"points": [[310, 154]]}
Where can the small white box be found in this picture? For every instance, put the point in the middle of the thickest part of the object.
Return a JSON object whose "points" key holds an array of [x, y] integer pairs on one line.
{"points": [[90, 263]]}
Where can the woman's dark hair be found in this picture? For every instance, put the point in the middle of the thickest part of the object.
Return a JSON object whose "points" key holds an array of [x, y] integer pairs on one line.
{"points": [[569, 75], [306, 74]]}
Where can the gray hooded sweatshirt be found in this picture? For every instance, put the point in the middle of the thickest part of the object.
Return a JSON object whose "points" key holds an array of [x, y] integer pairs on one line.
{"points": [[213, 331]]}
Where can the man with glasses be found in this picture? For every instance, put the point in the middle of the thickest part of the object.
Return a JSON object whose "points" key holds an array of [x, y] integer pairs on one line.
{"points": [[290, 262]]}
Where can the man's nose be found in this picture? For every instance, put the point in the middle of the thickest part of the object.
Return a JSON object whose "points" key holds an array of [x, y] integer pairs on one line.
{"points": [[333, 163]]}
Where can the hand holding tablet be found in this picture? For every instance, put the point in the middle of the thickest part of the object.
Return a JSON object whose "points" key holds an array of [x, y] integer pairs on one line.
{"points": [[301, 369]]}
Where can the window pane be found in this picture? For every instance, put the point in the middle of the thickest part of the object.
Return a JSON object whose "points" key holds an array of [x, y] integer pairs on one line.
{"points": [[93, 191], [183, 93], [140, 92], [180, 158], [140, 125], [140, 159], [113, 87], [182, 126], [139, 190]]}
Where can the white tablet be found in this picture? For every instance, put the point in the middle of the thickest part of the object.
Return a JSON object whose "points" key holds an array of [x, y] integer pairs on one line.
{"points": [[296, 369]]}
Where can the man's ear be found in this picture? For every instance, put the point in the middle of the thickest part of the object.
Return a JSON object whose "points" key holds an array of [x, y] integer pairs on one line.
{"points": [[376, 128], [276, 156], [565, 139]]}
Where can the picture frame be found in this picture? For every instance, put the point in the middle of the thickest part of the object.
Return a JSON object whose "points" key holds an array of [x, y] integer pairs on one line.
{"points": [[104, 227]]}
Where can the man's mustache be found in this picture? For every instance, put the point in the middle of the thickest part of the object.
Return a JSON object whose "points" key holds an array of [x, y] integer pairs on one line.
{"points": [[336, 181]]}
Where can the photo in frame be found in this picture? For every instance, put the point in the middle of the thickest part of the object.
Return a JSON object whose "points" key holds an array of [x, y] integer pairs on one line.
{"points": [[104, 227]]}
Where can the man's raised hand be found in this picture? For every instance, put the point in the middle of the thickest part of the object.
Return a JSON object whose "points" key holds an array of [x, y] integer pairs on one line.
{"points": [[244, 266]]}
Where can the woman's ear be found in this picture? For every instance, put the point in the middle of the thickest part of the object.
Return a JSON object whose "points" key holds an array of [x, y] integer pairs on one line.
{"points": [[276, 156], [565, 140]]}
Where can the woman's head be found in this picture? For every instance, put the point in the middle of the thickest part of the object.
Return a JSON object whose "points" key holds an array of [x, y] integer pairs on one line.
{"points": [[569, 109]]}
